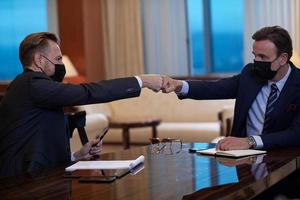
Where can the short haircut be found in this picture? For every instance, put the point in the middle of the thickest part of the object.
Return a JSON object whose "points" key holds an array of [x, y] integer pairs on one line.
{"points": [[279, 36], [33, 43]]}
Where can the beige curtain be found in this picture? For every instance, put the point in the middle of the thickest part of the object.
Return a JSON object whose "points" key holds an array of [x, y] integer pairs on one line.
{"points": [[122, 38], [165, 37], [260, 13], [295, 29]]}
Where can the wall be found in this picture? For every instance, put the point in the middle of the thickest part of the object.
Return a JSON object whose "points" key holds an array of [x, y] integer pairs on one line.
{"points": [[80, 31]]}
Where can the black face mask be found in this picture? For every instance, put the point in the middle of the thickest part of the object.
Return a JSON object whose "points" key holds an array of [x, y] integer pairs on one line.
{"points": [[59, 71], [263, 70]]}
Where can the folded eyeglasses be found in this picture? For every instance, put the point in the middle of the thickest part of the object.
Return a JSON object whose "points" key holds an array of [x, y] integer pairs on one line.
{"points": [[165, 145]]}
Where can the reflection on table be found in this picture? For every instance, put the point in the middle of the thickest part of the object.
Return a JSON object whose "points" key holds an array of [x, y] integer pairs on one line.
{"points": [[164, 176]]}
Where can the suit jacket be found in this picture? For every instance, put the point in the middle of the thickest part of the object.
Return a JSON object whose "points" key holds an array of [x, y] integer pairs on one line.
{"points": [[284, 129], [33, 130]]}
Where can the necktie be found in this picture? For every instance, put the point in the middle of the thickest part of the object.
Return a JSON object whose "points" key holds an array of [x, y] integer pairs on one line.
{"points": [[270, 106], [259, 171]]}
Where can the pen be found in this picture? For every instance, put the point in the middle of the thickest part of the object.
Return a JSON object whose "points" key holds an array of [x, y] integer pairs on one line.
{"points": [[101, 138], [195, 150], [104, 133]]}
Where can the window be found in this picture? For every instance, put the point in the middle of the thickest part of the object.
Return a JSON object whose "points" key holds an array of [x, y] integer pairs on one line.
{"points": [[195, 29], [18, 19], [216, 35]]}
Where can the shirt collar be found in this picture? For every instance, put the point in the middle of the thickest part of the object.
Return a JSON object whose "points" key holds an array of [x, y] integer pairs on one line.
{"points": [[282, 81]]}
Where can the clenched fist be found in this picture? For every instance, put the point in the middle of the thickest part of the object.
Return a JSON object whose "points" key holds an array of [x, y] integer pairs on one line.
{"points": [[152, 81], [171, 85]]}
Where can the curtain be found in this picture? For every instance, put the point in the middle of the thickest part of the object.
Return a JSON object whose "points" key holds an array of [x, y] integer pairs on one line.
{"points": [[165, 37], [260, 13], [296, 32], [123, 47]]}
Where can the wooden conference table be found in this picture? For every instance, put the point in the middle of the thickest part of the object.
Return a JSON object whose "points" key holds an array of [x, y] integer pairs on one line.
{"points": [[165, 176]]}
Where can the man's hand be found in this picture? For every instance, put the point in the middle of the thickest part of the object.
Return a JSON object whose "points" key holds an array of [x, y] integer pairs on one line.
{"points": [[233, 143], [89, 150], [171, 85], [152, 81]]}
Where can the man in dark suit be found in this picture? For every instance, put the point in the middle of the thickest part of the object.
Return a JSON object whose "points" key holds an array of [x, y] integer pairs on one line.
{"points": [[33, 129], [267, 93]]}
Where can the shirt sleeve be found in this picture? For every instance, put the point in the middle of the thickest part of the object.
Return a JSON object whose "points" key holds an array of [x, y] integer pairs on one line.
{"points": [[139, 80], [73, 157], [259, 142], [184, 90]]}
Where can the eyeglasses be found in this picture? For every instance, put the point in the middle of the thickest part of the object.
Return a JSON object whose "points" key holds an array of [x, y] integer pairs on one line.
{"points": [[165, 145]]}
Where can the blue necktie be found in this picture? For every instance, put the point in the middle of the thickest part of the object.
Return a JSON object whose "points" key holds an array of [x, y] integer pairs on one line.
{"points": [[270, 106]]}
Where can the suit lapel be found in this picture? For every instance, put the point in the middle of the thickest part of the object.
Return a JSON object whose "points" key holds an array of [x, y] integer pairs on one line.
{"points": [[288, 93]]}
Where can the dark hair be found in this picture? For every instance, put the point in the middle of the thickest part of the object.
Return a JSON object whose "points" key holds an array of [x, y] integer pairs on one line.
{"points": [[33, 43], [279, 36]]}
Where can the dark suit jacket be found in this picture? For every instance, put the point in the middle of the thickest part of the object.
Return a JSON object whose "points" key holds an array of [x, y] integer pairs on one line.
{"points": [[33, 132], [284, 129]]}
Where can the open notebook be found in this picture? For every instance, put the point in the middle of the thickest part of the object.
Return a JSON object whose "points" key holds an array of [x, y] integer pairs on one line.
{"points": [[107, 164], [232, 153]]}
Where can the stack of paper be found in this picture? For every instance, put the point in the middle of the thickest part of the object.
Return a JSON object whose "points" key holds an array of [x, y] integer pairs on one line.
{"points": [[108, 164]]}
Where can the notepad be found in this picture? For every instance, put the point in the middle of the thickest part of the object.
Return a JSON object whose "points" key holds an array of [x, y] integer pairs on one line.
{"points": [[232, 153], [107, 164]]}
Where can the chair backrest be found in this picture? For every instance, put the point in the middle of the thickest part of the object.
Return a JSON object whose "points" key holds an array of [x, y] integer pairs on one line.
{"points": [[78, 120], [168, 108]]}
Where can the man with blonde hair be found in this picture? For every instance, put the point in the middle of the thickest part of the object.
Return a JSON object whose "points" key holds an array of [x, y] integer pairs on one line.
{"points": [[33, 129]]}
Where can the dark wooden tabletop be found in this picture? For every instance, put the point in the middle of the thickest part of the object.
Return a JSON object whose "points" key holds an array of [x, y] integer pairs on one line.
{"points": [[165, 176]]}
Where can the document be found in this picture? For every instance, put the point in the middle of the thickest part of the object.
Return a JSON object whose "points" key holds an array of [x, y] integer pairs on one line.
{"points": [[107, 164], [232, 153]]}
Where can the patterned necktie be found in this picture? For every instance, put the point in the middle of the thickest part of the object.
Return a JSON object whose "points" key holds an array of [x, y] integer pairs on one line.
{"points": [[259, 171], [270, 106]]}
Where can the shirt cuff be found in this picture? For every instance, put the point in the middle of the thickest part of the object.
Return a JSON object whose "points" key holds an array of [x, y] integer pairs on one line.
{"points": [[259, 142], [139, 80], [184, 90], [73, 157]]}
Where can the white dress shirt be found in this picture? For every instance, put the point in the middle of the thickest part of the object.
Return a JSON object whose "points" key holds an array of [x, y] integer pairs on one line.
{"points": [[139, 81]]}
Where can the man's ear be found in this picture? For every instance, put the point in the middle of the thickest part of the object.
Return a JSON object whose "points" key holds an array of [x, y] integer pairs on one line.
{"points": [[37, 60], [283, 59]]}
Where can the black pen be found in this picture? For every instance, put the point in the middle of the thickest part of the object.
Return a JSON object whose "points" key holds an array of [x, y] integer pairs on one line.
{"points": [[101, 138], [104, 133], [195, 150]]}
